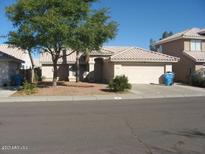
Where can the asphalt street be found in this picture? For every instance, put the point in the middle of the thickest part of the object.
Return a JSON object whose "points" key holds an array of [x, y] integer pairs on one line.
{"points": [[146, 126]]}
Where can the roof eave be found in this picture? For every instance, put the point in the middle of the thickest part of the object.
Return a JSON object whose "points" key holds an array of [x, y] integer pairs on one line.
{"points": [[146, 61], [194, 37], [179, 37], [168, 40], [50, 63], [190, 57]]}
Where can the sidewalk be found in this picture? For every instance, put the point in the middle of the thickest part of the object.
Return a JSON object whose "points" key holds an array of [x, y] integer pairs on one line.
{"points": [[83, 98], [137, 92]]}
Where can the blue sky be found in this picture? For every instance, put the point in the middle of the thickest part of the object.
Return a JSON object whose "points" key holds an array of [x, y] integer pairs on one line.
{"points": [[140, 20]]}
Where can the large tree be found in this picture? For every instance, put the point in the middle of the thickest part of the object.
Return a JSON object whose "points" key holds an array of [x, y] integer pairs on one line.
{"points": [[166, 34], [152, 42], [151, 45], [92, 34], [49, 25]]}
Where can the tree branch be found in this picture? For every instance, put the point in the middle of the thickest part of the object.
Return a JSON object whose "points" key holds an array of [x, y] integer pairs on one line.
{"points": [[66, 54]]}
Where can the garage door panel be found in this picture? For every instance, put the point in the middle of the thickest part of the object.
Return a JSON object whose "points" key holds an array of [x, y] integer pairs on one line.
{"points": [[143, 74]]}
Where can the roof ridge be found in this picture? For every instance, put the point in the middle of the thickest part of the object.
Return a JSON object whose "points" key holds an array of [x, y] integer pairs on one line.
{"points": [[121, 52], [155, 52], [158, 53], [174, 36]]}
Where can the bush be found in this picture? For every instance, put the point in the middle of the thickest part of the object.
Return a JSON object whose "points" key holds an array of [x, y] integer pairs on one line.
{"points": [[29, 88], [119, 83], [198, 79]]}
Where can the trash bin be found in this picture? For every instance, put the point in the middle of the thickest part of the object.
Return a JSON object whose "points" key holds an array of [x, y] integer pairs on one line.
{"points": [[169, 78], [17, 80]]}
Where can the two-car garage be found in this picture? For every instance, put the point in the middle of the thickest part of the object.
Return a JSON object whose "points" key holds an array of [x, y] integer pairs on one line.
{"points": [[144, 73], [140, 66]]}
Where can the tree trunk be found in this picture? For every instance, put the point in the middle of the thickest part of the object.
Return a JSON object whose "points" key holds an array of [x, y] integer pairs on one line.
{"points": [[32, 66], [32, 74], [77, 66], [55, 74]]}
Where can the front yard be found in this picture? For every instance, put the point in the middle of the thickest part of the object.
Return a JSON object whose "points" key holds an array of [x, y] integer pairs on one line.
{"points": [[68, 89]]}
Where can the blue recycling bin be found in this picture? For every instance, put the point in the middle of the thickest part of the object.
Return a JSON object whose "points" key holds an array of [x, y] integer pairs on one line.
{"points": [[18, 80], [169, 78]]}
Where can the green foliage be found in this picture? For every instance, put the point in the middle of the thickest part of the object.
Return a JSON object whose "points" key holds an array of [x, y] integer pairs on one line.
{"points": [[197, 79], [29, 88], [94, 32], [119, 83], [151, 45], [166, 34], [54, 25]]}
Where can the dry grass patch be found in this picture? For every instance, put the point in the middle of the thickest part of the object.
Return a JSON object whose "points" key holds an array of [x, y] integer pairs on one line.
{"points": [[68, 89]]}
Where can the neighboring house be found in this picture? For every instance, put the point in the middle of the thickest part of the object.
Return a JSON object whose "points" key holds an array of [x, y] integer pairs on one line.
{"points": [[11, 61], [189, 46], [139, 65]]}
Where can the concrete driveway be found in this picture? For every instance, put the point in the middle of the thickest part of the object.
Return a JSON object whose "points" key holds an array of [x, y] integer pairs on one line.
{"points": [[177, 90], [6, 92]]}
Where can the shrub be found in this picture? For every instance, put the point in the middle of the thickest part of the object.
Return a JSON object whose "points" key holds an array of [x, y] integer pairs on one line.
{"points": [[5, 84], [198, 79], [29, 88], [119, 83]]}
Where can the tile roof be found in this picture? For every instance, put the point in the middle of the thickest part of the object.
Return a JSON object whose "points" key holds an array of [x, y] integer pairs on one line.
{"points": [[195, 33], [141, 55], [45, 58], [129, 54], [105, 51], [108, 50], [196, 56], [13, 52]]}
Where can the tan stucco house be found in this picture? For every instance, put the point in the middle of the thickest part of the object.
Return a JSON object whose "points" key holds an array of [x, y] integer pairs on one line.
{"points": [[11, 60], [189, 46], [139, 65]]}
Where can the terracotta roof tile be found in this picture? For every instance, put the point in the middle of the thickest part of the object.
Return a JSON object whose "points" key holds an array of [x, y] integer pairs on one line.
{"points": [[118, 54], [109, 50], [197, 56], [141, 55], [190, 33], [46, 58], [14, 52]]}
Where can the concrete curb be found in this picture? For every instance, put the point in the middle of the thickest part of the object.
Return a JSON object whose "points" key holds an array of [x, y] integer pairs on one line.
{"points": [[87, 98]]}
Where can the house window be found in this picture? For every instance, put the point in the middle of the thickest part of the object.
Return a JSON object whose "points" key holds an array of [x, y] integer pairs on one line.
{"points": [[195, 45], [160, 49]]}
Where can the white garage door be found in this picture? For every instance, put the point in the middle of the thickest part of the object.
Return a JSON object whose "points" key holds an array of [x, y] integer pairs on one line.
{"points": [[143, 74]]}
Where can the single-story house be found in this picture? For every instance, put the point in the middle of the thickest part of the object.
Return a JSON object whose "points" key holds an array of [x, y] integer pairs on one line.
{"points": [[139, 65], [11, 61]]}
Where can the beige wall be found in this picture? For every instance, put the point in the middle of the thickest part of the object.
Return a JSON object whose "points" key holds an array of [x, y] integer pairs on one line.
{"points": [[199, 66], [185, 66], [203, 45], [187, 45], [63, 72], [47, 72], [168, 68]]}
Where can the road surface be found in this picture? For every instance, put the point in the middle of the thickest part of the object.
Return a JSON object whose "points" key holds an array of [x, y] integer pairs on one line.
{"points": [[151, 126]]}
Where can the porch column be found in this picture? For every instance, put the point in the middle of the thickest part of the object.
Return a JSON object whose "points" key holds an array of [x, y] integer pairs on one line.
{"points": [[91, 63], [117, 70], [168, 68], [71, 76]]}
